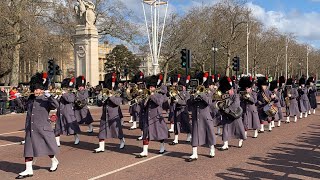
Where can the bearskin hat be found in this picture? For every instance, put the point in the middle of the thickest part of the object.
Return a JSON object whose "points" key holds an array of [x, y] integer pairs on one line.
{"points": [[302, 80], [310, 80], [209, 81], [80, 81], [183, 81], [245, 82], [273, 85], [65, 83], [289, 82], [263, 81], [110, 81], [138, 77], [225, 84], [38, 82], [152, 81]]}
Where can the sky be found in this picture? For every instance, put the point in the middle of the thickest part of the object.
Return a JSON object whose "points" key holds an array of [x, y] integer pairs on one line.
{"points": [[300, 17]]}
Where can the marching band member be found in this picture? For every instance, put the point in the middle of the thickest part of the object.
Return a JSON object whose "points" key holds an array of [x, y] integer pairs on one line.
{"points": [[248, 100], [274, 90], [181, 114], [82, 111], [154, 125], [231, 112], [136, 107], [67, 123], [110, 123], [214, 111], [304, 103], [291, 94], [280, 94], [202, 121], [39, 138], [265, 97], [312, 91], [174, 84]]}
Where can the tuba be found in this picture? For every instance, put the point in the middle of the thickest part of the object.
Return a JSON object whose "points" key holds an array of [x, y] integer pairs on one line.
{"points": [[173, 92]]}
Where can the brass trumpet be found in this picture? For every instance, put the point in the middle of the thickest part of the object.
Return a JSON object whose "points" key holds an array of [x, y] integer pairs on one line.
{"points": [[107, 93]]}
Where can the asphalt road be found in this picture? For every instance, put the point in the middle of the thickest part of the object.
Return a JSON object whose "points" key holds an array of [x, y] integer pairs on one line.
{"points": [[291, 151]]}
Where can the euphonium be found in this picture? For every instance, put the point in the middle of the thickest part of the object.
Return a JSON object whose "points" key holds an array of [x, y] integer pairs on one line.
{"points": [[173, 92], [107, 93]]}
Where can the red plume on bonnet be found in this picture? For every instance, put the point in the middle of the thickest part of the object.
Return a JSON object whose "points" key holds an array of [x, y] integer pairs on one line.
{"points": [[141, 75], [205, 76], [160, 79], [179, 76], [82, 79], [212, 77], [44, 77], [113, 79], [218, 77], [251, 78], [188, 79], [230, 81], [71, 81]]}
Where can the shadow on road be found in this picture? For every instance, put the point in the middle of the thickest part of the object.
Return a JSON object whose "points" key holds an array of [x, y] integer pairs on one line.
{"points": [[287, 161]]}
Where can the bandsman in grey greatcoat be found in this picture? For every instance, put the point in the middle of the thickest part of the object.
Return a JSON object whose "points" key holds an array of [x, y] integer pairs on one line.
{"points": [[304, 104], [110, 123], [280, 94], [264, 98], [39, 138], [81, 109], [174, 84], [312, 94], [154, 125], [67, 123], [202, 121], [274, 85], [291, 94], [181, 115], [231, 112], [248, 100]]}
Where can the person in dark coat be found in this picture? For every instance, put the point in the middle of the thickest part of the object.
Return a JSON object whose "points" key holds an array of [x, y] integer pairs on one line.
{"points": [[202, 121], [135, 111], [174, 84], [274, 85], [181, 115], [81, 109], [312, 94], [304, 104], [154, 125], [39, 138], [231, 112], [265, 98], [110, 123], [3, 101], [67, 123], [248, 100], [291, 94]]}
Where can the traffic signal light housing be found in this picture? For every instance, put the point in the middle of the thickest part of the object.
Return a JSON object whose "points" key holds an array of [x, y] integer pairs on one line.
{"points": [[236, 63], [185, 58], [57, 70], [51, 68]]}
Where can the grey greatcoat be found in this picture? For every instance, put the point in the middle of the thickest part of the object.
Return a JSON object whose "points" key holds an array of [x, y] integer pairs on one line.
{"points": [[293, 107], [279, 115], [39, 138], [202, 121], [181, 114], [312, 94], [110, 123], [232, 128], [262, 102], [154, 126], [67, 123], [215, 113], [83, 115], [304, 104], [250, 112]]}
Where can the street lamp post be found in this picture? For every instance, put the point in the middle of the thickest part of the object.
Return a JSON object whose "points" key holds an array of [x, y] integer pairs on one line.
{"points": [[214, 49], [287, 58], [308, 51]]}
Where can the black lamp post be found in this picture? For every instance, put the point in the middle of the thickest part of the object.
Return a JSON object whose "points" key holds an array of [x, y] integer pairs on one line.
{"points": [[214, 49]]}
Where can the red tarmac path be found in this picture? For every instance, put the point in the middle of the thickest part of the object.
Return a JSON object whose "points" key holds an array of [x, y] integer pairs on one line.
{"points": [[289, 152]]}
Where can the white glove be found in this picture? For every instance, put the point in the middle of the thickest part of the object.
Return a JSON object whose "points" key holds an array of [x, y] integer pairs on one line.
{"points": [[17, 95], [46, 93]]}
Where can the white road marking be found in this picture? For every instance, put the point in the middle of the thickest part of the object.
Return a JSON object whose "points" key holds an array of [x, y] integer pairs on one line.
{"points": [[10, 144], [14, 132], [126, 167]]}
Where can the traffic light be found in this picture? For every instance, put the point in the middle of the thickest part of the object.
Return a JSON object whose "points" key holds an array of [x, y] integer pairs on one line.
{"points": [[125, 72], [184, 58], [236, 63], [57, 70], [51, 67]]}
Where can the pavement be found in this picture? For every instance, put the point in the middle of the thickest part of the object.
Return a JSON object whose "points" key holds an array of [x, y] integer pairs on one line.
{"points": [[291, 151]]}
